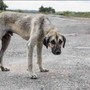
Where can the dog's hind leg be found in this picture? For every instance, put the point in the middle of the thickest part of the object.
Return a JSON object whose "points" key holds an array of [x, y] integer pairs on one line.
{"points": [[5, 42]]}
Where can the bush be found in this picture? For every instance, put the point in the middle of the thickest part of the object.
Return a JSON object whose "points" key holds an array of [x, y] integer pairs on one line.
{"points": [[46, 9]]}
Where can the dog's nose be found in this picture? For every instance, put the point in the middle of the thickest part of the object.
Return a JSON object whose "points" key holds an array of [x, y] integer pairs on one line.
{"points": [[58, 52]]}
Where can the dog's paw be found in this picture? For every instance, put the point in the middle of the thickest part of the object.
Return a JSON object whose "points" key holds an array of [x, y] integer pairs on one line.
{"points": [[33, 77], [4, 69], [44, 70]]}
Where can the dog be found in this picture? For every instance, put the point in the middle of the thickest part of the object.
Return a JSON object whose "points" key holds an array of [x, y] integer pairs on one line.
{"points": [[34, 29]]}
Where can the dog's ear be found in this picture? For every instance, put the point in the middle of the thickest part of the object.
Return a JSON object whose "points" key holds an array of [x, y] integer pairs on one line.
{"points": [[64, 41], [46, 41]]}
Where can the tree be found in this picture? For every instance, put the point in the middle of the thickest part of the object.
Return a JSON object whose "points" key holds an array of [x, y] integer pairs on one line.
{"points": [[46, 9], [3, 6], [53, 10], [41, 9]]}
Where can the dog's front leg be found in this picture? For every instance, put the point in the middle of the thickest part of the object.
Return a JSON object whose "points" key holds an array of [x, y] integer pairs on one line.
{"points": [[39, 57], [31, 45]]}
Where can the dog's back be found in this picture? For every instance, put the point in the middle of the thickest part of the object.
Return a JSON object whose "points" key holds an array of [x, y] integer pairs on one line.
{"points": [[10, 17], [19, 23]]}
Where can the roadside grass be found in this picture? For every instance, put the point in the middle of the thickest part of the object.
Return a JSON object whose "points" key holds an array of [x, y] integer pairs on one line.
{"points": [[0, 11], [74, 14], [64, 13], [18, 10]]}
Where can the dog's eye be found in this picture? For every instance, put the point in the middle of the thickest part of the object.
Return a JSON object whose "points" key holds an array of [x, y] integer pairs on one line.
{"points": [[53, 42], [60, 41]]}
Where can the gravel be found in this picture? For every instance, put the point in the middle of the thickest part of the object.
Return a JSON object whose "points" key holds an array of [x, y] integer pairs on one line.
{"points": [[68, 71]]}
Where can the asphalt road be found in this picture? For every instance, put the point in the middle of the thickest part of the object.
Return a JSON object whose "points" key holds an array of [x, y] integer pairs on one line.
{"points": [[68, 71]]}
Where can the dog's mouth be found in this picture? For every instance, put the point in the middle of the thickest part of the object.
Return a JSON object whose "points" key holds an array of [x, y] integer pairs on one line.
{"points": [[57, 52]]}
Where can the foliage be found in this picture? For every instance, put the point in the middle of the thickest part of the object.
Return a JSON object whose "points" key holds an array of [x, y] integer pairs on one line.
{"points": [[18, 10], [3, 6], [46, 9]]}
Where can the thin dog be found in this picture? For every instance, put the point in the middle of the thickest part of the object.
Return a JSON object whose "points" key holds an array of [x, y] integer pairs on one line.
{"points": [[35, 30]]}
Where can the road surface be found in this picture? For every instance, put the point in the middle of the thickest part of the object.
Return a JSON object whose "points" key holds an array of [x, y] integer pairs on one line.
{"points": [[68, 71]]}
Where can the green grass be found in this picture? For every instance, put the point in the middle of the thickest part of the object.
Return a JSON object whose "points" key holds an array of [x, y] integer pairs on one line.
{"points": [[0, 11], [66, 13], [18, 10], [74, 14]]}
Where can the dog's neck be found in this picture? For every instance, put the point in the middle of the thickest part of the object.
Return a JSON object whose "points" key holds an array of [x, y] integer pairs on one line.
{"points": [[49, 29]]}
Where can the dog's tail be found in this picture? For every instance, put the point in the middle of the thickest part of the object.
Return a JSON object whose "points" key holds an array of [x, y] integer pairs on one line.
{"points": [[48, 20]]}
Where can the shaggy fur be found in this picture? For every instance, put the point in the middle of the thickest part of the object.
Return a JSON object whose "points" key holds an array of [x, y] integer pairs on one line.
{"points": [[32, 28]]}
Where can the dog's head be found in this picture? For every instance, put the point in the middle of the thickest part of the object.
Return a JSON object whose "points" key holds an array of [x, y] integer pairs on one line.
{"points": [[55, 41]]}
